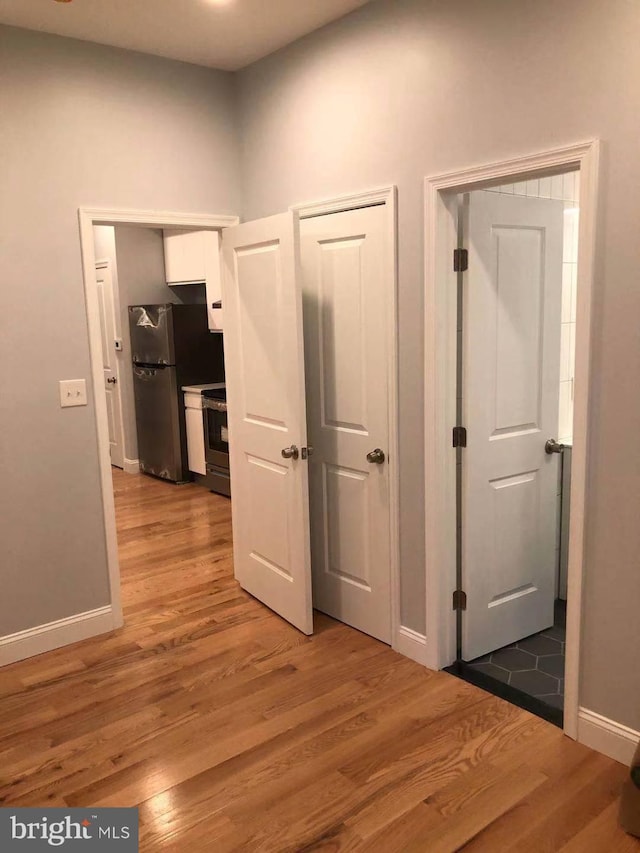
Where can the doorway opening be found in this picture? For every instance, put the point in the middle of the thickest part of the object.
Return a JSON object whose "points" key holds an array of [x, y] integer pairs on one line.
{"points": [[511, 402], [515, 375], [107, 320]]}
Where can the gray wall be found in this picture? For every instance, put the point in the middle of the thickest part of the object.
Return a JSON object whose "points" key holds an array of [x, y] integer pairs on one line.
{"points": [[406, 88], [81, 125]]}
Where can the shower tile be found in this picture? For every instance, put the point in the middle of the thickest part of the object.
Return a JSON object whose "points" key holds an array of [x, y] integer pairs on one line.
{"points": [[544, 188], [567, 291], [557, 188]]}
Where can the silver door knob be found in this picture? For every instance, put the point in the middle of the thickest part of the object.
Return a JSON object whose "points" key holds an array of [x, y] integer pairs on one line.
{"points": [[290, 452], [376, 457], [112, 380], [552, 446]]}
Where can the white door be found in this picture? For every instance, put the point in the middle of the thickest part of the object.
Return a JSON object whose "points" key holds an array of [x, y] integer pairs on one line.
{"points": [[264, 361], [511, 358], [106, 305], [346, 304]]}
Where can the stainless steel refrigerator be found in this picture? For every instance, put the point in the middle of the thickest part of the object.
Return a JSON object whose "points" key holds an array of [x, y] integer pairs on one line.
{"points": [[171, 346]]}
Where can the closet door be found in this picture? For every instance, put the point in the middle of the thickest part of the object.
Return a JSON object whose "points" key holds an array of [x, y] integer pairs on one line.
{"points": [[264, 359], [347, 293]]}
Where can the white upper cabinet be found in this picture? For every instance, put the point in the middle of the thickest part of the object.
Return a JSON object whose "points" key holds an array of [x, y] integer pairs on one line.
{"points": [[193, 257], [185, 255]]}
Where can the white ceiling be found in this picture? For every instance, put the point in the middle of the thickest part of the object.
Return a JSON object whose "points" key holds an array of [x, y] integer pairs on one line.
{"points": [[227, 34]]}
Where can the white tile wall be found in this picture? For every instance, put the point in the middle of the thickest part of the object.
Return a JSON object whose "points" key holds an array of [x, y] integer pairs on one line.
{"points": [[562, 188]]}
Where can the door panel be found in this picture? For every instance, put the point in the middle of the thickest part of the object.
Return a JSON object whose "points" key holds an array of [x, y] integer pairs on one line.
{"points": [[346, 544], [344, 259], [264, 362], [518, 328], [106, 307], [511, 367], [257, 271], [342, 338]]}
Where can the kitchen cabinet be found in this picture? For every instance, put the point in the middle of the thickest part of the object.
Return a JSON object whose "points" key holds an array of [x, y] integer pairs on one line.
{"points": [[195, 432], [193, 257]]}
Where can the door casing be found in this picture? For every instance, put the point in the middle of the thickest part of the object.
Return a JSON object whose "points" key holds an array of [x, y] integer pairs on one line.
{"points": [[87, 218], [441, 235]]}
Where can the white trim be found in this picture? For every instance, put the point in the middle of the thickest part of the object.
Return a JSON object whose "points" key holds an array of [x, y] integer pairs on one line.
{"points": [[607, 736], [439, 456], [156, 218], [131, 466], [411, 644], [366, 198], [387, 196], [44, 638], [88, 217]]}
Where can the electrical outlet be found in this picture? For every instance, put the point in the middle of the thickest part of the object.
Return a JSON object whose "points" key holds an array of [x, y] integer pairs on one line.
{"points": [[73, 392]]}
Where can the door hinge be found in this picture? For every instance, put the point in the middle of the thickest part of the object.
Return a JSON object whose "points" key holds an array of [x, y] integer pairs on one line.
{"points": [[459, 436], [459, 599], [460, 260]]}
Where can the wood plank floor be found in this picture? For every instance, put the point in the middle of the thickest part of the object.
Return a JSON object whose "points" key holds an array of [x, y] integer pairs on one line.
{"points": [[232, 731]]}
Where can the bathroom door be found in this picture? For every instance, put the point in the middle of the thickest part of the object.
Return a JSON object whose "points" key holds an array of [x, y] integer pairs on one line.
{"points": [[511, 372]]}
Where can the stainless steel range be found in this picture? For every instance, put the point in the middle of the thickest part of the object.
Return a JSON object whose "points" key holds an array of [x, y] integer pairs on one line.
{"points": [[216, 440]]}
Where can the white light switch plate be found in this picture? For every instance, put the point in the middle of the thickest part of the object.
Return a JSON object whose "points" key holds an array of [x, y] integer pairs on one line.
{"points": [[73, 392]]}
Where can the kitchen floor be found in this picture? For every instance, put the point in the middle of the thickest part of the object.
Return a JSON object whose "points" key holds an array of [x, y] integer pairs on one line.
{"points": [[534, 665]]}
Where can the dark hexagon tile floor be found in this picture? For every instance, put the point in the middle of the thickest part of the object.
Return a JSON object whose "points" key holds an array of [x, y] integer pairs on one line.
{"points": [[534, 665]]}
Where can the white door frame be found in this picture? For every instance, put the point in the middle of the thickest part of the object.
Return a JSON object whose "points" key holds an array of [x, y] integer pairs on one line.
{"points": [[402, 639], [105, 263], [88, 217], [440, 394]]}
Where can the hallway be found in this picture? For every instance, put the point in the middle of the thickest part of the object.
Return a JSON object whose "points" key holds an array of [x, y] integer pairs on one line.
{"points": [[232, 731]]}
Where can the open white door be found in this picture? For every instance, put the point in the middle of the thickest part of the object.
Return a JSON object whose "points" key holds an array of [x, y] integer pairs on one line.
{"points": [[511, 358], [106, 307], [264, 361]]}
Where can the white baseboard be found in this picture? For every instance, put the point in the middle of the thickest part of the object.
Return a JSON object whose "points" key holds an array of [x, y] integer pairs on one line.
{"points": [[411, 644], [53, 635], [132, 466], [607, 736]]}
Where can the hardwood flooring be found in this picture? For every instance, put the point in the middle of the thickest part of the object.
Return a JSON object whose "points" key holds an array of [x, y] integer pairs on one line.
{"points": [[232, 731]]}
